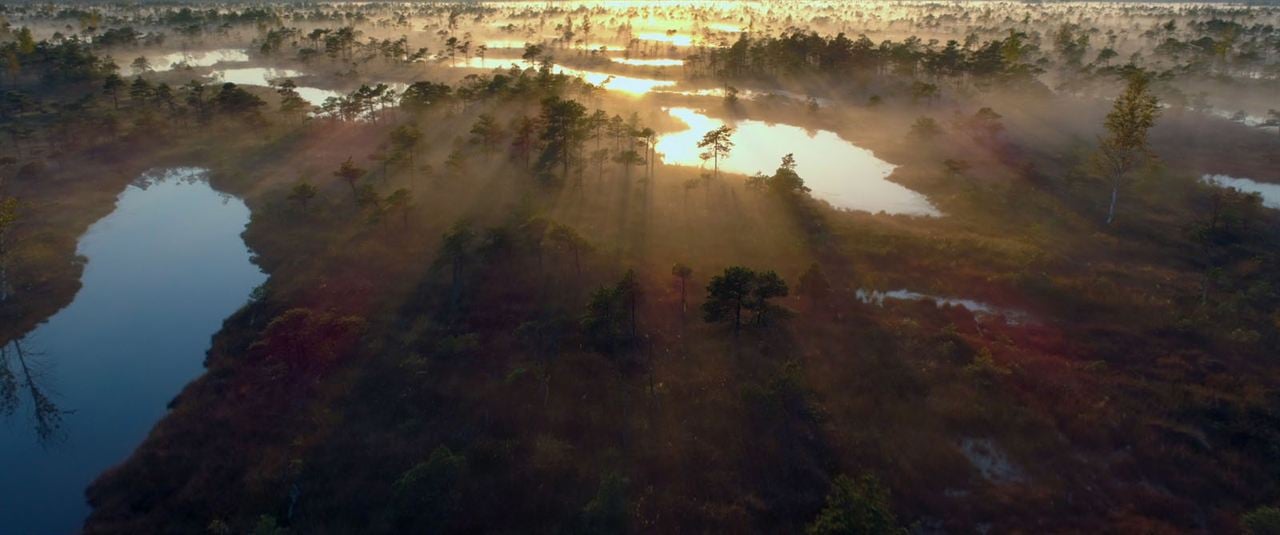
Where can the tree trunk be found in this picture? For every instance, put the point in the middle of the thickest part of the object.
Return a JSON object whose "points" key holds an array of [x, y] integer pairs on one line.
{"points": [[684, 307], [633, 317], [1111, 212]]}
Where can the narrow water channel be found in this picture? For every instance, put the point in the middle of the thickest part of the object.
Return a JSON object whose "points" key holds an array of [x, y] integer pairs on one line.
{"points": [[164, 269]]}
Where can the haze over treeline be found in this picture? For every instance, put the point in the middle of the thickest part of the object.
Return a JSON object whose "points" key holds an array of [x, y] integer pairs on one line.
{"points": [[614, 267]]}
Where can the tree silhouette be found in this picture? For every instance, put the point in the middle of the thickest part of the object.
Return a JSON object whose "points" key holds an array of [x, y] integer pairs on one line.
{"points": [[628, 159], [718, 144], [768, 285], [405, 139], [814, 285], [785, 181], [544, 336], [350, 174], [46, 416], [563, 130], [739, 289], [303, 192], [728, 294], [1125, 147], [455, 248], [602, 324], [860, 506], [401, 200], [8, 219], [682, 272], [568, 239], [291, 103], [630, 292], [925, 128], [486, 132], [111, 86]]}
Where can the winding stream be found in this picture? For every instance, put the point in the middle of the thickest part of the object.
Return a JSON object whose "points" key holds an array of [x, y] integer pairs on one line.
{"points": [[163, 271]]}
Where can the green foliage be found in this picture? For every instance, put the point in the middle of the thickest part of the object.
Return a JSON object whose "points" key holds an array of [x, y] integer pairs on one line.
{"points": [[739, 289], [486, 132], [785, 182], [233, 100], [717, 144], [858, 507], [1264, 520], [610, 321], [564, 128], [984, 369], [728, 294], [814, 284], [308, 341], [303, 192], [423, 96], [607, 512], [925, 128], [291, 103], [268, 525], [1125, 147], [428, 493], [349, 173]]}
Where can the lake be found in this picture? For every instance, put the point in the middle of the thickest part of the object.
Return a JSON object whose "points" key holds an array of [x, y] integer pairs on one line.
{"points": [[630, 85], [1270, 192], [205, 58], [164, 269], [839, 172]]}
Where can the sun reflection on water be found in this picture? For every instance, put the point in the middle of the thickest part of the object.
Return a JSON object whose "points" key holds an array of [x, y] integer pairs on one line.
{"points": [[839, 172]]}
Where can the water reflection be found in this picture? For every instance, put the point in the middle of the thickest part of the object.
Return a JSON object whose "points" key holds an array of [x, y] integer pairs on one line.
{"points": [[254, 75], [265, 76], [673, 39], [163, 271], [843, 174], [613, 82], [22, 374], [651, 62], [509, 44], [1270, 192], [207, 58]]}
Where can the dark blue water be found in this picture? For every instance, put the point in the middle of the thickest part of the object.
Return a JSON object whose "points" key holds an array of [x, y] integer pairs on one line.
{"points": [[163, 271]]}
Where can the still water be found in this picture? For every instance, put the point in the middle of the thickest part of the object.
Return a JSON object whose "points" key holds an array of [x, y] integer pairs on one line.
{"points": [[1270, 192], [264, 76], [163, 271], [629, 85], [839, 172], [206, 58]]}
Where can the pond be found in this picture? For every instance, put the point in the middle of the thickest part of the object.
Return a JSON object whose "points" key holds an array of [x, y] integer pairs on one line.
{"points": [[1270, 192], [673, 39], [649, 62], [512, 44], [164, 269], [205, 58], [977, 308], [254, 75], [630, 85], [264, 76], [839, 172]]}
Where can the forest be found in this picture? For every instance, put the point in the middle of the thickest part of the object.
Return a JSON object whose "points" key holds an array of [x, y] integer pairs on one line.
{"points": [[642, 266]]}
